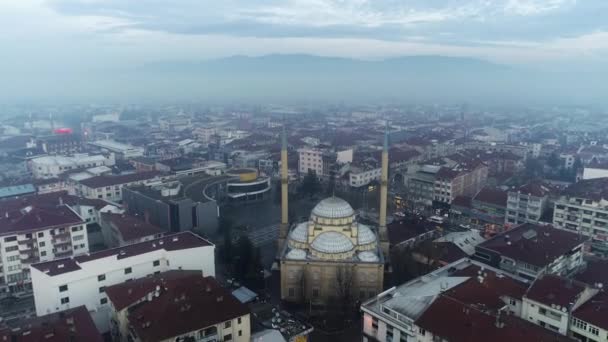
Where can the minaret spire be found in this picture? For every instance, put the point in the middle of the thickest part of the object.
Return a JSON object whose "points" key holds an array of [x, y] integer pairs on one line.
{"points": [[284, 191], [384, 194]]}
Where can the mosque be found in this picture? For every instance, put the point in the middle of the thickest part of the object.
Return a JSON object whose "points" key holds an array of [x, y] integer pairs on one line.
{"points": [[332, 256]]}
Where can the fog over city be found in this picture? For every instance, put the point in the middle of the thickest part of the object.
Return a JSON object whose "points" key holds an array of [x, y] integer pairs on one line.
{"points": [[303, 170], [538, 51]]}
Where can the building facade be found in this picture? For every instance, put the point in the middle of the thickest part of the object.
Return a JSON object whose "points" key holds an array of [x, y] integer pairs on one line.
{"points": [[310, 159], [185, 297], [64, 283], [527, 204], [47, 167], [331, 257], [583, 209], [35, 233]]}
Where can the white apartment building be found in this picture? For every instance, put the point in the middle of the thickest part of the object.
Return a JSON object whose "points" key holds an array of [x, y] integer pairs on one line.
{"points": [[122, 151], [31, 234], [52, 166], [550, 300], [310, 159], [526, 204], [392, 316], [583, 208], [361, 176], [186, 298], [109, 188], [66, 283]]}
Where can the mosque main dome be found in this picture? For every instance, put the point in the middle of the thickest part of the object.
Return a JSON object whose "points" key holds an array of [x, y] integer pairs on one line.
{"points": [[332, 233]]}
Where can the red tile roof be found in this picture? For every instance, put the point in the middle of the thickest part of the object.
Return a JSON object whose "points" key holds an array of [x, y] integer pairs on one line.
{"points": [[131, 227], [493, 196], [455, 321], [485, 294], [73, 325], [555, 290], [594, 272], [544, 245], [173, 242], [594, 311], [400, 231], [186, 302], [35, 218], [102, 181]]}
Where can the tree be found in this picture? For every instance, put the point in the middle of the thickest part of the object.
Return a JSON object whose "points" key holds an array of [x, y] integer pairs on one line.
{"points": [[225, 228], [344, 286], [243, 257], [553, 161], [331, 184], [310, 183]]}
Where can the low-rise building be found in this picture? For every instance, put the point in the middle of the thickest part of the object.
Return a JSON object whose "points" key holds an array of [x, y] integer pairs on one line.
{"points": [[176, 306], [124, 229], [583, 209], [81, 280], [46, 167], [530, 250], [363, 175], [122, 151], [110, 187]]}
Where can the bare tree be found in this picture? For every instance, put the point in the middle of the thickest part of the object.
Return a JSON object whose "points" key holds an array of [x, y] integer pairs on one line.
{"points": [[344, 286]]}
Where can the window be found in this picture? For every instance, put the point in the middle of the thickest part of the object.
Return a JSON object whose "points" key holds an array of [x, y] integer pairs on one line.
{"points": [[103, 301], [65, 300], [101, 277], [43, 253], [102, 289], [292, 292], [240, 332], [227, 324], [12, 248], [421, 331], [41, 234], [63, 288], [593, 330], [238, 321], [128, 270], [156, 263], [315, 293], [228, 337], [10, 238], [78, 237], [12, 258], [41, 244]]}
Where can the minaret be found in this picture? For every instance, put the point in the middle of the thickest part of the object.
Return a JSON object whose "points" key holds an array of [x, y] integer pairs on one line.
{"points": [[383, 196], [283, 229]]}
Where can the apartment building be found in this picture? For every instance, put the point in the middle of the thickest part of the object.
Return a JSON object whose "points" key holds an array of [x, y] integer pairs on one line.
{"points": [[185, 298], [109, 188], [550, 301], [531, 250], [463, 301], [31, 233], [81, 280], [583, 208], [462, 180], [310, 159], [363, 175], [527, 203]]}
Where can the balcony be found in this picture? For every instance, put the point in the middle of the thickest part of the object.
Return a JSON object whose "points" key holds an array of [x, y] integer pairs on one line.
{"points": [[62, 254], [26, 241]]}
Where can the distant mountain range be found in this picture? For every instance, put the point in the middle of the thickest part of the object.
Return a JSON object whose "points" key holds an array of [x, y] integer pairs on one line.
{"points": [[407, 79]]}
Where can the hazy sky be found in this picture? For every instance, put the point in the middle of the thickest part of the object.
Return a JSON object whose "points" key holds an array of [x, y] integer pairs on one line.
{"points": [[68, 33], [76, 36]]}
